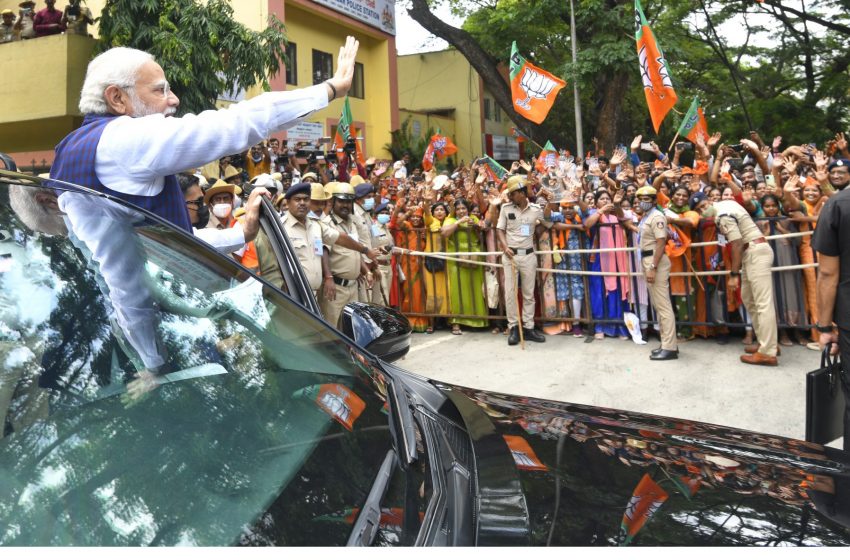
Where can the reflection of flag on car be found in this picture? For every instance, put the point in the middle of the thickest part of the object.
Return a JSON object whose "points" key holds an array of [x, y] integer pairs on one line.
{"points": [[338, 401], [657, 84], [391, 518], [533, 89], [495, 171], [645, 501], [693, 124], [524, 456], [439, 147], [548, 157]]}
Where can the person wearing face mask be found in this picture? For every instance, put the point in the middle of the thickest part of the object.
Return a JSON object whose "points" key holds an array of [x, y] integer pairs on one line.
{"points": [[220, 199], [652, 240], [382, 240], [258, 161], [364, 202]]}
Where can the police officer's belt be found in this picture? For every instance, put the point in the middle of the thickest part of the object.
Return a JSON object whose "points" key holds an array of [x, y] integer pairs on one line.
{"points": [[343, 282], [649, 253], [754, 242], [522, 252]]}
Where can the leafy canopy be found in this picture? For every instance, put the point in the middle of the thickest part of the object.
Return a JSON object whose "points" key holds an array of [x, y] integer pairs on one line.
{"points": [[203, 50]]}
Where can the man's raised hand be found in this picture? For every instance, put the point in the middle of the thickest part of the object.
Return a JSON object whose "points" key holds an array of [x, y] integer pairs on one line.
{"points": [[344, 69]]}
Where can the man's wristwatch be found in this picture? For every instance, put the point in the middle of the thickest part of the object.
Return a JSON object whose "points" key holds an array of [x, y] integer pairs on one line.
{"points": [[733, 273], [364, 249], [823, 329]]}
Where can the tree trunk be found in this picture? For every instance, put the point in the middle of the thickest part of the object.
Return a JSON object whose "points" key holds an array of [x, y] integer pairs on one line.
{"points": [[608, 120], [481, 61]]}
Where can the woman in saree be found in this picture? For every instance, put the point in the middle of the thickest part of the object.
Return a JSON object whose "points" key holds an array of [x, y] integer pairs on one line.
{"points": [[436, 280], [679, 214], [608, 293], [410, 229], [462, 232], [568, 289]]}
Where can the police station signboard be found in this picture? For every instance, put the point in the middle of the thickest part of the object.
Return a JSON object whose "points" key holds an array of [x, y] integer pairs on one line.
{"points": [[377, 13]]}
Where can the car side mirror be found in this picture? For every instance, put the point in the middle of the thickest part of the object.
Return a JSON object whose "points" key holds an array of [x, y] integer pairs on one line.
{"points": [[382, 331]]}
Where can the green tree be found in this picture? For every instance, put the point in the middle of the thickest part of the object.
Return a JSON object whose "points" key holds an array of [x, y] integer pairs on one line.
{"points": [[403, 141], [203, 50]]}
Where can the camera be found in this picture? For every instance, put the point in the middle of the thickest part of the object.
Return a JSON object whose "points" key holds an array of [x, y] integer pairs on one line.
{"points": [[737, 147], [682, 146]]}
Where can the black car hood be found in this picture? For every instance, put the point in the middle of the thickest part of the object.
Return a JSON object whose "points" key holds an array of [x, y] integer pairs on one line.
{"points": [[596, 476]]}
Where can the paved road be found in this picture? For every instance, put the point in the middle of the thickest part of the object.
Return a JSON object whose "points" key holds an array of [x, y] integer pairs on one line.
{"points": [[707, 383]]}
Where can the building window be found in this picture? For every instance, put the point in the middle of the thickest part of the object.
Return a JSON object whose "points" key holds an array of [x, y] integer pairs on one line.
{"points": [[292, 64], [487, 111], [497, 113], [323, 66], [357, 84]]}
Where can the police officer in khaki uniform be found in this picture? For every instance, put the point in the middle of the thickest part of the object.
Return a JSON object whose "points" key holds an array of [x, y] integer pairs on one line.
{"points": [[382, 240], [652, 233], [309, 238], [345, 265], [515, 230], [364, 202], [753, 255]]}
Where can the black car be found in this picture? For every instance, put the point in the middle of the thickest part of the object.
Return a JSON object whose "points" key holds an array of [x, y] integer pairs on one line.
{"points": [[155, 392]]}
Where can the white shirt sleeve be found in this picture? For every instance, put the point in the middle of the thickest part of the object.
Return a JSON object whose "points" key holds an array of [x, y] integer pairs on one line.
{"points": [[224, 240], [106, 232], [135, 154]]}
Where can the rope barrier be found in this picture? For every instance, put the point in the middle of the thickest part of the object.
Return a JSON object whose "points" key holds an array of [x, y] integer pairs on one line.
{"points": [[452, 257]]}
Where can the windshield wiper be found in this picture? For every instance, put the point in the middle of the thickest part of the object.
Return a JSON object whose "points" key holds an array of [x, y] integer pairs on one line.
{"points": [[367, 523], [402, 424]]}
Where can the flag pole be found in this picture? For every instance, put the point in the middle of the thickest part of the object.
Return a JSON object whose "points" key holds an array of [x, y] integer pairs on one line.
{"points": [[579, 139], [673, 142]]}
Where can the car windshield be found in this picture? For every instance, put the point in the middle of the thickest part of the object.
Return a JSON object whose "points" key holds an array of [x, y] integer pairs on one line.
{"points": [[153, 392]]}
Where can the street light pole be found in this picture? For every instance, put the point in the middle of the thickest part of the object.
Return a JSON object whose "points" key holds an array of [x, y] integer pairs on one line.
{"points": [[579, 139]]}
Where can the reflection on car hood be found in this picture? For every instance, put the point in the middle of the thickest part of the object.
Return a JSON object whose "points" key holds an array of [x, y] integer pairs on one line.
{"points": [[596, 476]]}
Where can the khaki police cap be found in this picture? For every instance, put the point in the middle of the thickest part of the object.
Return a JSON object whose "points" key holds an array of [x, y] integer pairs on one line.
{"points": [[646, 191], [219, 186], [356, 180], [318, 192], [343, 191], [515, 183]]}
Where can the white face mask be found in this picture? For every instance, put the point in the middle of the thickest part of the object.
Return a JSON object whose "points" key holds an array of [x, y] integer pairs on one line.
{"points": [[222, 210]]}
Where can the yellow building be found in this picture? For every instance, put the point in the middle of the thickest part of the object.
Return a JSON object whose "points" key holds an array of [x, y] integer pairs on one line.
{"points": [[43, 76], [442, 90]]}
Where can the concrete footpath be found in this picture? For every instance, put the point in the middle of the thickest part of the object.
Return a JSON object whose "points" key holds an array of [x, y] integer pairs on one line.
{"points": [[707, 383]]}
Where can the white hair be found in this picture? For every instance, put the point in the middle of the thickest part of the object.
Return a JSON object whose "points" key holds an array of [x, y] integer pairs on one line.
{"points": [[117, 66], [33, 214]]}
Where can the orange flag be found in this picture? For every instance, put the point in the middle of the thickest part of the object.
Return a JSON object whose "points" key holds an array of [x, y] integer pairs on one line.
{"points": [[548, 157], [645, 501], [439, 147], [657, 84], [533, 89]]}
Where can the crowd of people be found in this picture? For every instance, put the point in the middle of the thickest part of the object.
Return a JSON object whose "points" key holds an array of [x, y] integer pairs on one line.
{"points": [[30, 24], [579, 241]]}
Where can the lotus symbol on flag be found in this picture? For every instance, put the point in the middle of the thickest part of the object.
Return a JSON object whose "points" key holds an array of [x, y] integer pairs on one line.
{"points": [[535, 85]]}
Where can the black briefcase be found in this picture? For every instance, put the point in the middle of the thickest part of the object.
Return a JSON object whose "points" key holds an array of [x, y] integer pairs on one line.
{"points": [[825, 401]]}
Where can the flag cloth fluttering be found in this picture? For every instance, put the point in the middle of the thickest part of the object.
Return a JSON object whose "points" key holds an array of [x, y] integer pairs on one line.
{"points": [[693, 124], [548, 158], [494, 171], [533, 89], [439, 147], [657, 83], [345, 130]]}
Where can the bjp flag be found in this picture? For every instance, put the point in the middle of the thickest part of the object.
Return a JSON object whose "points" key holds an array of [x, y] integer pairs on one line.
{"points": [[646, 499], [336, 400], [345, 130], [439, 147], [524, 456], [657, 84], [548, 158], [533, 89], [693, 125]]}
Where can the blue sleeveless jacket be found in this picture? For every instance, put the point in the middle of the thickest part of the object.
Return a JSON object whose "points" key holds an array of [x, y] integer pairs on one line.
{"points": [[75, 161]]}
